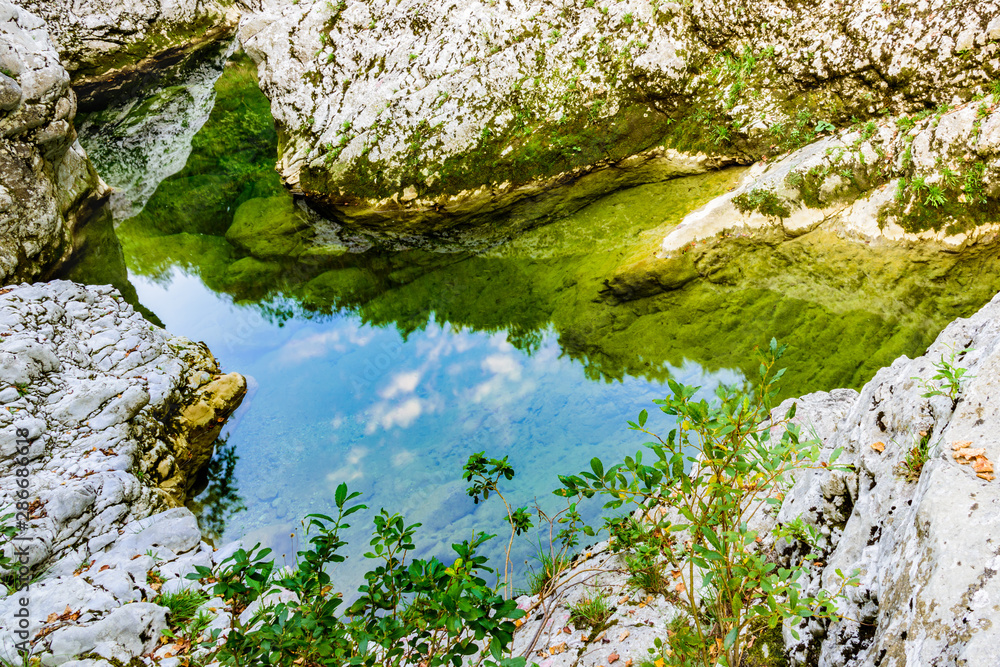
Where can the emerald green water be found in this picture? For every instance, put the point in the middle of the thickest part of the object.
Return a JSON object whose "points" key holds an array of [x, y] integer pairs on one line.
{"points": [[386, 367]]}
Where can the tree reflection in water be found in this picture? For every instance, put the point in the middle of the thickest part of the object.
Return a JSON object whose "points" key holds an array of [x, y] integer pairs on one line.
{"points": [[215, 498]]}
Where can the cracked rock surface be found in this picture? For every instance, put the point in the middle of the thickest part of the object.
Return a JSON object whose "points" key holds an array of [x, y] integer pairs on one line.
{"points": [[48, 188], [390, 112], [98, 38], [927, 549], [110, 417]]}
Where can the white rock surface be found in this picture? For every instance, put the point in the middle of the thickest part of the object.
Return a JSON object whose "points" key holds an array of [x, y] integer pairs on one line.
{"points": [[849, 183], [926, 550], [94, 36], [48, 188], [109, 408], [388, 110]]}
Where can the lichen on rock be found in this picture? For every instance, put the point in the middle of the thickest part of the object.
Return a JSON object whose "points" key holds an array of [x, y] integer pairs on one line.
{"points": [[108, 44]]}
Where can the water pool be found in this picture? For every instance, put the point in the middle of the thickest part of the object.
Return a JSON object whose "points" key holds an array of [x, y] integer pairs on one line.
{"points": [[386, 368]]}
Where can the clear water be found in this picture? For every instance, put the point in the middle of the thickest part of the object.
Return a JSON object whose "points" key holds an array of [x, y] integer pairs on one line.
{"points": [[338, 400], [385, 368]]}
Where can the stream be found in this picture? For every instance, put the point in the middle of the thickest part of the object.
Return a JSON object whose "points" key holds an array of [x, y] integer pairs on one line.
{"points": [[386, 367]]}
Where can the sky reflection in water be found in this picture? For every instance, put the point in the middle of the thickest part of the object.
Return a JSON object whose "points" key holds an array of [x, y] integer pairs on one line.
{"points": [[340, 401]]}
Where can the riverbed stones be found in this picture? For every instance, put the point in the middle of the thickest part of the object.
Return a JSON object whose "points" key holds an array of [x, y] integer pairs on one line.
{"points": [[426, 116], [49, 190]]}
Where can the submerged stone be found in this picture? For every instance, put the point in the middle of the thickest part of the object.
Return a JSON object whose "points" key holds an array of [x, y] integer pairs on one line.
{"points": [[270, 228]]}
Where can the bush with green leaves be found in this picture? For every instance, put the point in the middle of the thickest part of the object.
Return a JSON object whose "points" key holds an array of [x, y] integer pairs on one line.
{"points": [[707, 485], [410, 611]]}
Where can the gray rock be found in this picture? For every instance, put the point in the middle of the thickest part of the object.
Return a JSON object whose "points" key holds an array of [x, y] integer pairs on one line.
{"points": [[10, 93], [175, 529], [99, 533], [125, 633], [57, 189], [924, 549], [467, 82], [107, 44]]}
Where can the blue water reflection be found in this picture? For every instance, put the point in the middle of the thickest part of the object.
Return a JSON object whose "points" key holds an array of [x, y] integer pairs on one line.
{"points": [[336, 400]]}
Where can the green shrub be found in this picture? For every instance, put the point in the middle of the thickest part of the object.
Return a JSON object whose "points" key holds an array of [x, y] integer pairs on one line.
{"points": [[409, 611], [717, 467]]}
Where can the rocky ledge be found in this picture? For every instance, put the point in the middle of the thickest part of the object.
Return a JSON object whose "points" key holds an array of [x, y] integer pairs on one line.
{"points": [[107, 45], [49, 190], [107, 417], [435, 115], [925, 186], [923, 541]]}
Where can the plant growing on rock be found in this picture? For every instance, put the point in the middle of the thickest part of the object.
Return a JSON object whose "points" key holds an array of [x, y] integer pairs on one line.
{"points": [[949, 377], [592, 611], [8, 530], [916, 456], [707, 485], [764, 201]]}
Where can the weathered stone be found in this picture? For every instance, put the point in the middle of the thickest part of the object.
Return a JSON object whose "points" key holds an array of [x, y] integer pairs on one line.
{"points": [[107, 45], [10, 93], [932, 188], [924, 549], [421, 117], [125, 633], [48, 189]]}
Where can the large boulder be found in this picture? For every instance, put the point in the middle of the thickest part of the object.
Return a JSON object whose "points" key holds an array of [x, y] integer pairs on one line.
{"points": [[427, 116], [114, 414], [923, 539], [48, 188], [108, 45]]}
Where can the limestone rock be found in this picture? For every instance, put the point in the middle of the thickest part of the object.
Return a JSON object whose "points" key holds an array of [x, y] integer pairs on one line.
{"points": [[10, 93], [48, 189], [924, 548], [108, 44], [425, 117], [929, 182], [107, 400]]}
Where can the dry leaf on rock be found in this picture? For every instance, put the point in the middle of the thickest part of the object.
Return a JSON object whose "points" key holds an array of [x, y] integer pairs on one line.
{"points": [[613, 658], [623, 636], [965, 454]]}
